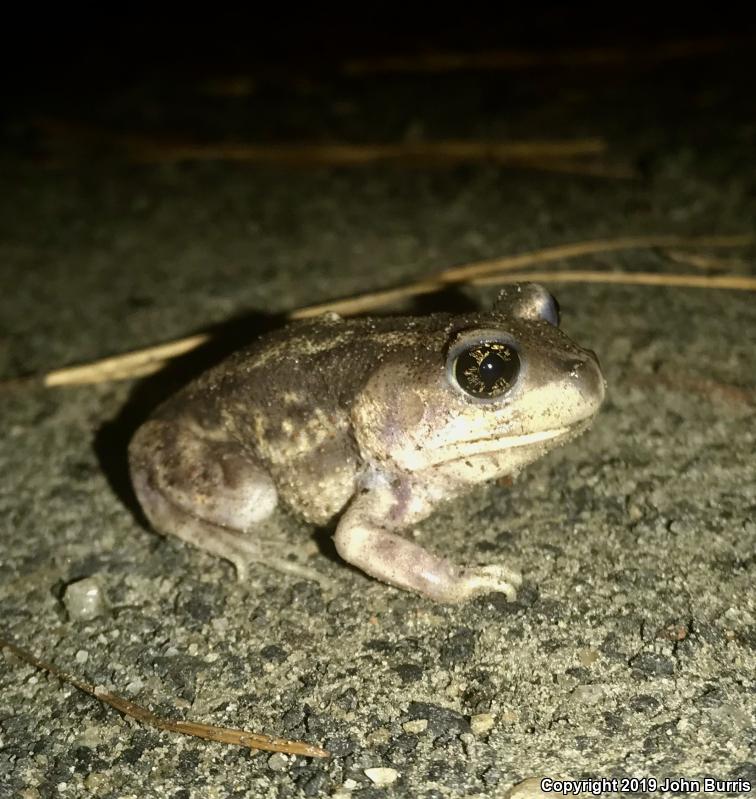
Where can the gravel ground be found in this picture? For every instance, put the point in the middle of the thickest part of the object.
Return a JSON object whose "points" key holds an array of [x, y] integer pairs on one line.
{"points": [[630, 651]]}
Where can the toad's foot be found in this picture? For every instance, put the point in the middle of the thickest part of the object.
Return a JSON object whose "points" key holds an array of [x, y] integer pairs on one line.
{"points": [[363, 540], [494, 578]]}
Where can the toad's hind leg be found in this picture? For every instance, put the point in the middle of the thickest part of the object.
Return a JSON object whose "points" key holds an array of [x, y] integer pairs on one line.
{"points": [[206, 490]]}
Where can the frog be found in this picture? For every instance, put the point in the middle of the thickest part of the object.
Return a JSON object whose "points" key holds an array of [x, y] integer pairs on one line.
{"points": [[368, 425]]}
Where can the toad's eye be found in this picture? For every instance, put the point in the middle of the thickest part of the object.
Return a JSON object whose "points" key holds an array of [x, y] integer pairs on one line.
{"points": [[487, 369]]}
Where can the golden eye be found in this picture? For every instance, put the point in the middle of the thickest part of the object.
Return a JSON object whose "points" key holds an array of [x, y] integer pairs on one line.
{"points": [[488, 369]]}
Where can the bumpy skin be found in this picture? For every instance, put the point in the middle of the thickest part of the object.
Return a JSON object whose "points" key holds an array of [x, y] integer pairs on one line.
{"points": [[363, 418]]}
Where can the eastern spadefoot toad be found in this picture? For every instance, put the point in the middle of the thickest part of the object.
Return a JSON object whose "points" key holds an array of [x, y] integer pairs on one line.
{"points": [[375, 421]]}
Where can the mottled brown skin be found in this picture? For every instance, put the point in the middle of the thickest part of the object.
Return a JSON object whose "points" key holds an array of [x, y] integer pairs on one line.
{"points": [[362, 418]]}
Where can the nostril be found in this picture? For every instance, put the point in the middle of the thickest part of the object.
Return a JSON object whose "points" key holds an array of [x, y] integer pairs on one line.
{"points": [[587, 371], [595, 357]]}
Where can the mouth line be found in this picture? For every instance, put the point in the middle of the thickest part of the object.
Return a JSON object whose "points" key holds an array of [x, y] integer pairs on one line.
{"points": [[481, 446], [521, 440]]}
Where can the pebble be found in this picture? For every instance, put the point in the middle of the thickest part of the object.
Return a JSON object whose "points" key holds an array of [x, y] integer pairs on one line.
{"points": [[416, 726], [85, 599], [134, 686], [587, 657], [379, 736], [481, 723], [96, 782], [278, 762], [587, 694], [527, 789], [381, 776]]}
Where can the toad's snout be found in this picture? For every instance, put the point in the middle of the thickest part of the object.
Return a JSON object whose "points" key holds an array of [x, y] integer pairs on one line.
{"points": [[587, 373]]}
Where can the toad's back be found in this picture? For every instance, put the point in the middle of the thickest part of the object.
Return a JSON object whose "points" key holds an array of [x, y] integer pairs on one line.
{"points": [[286, 401]]}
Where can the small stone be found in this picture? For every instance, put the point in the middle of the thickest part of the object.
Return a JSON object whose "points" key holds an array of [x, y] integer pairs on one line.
{"points": [[441, 720], [379, 736], [587, 694], [381, 776], [587, 657], [652, 665], [528, 789], [91, 736], [134, 686], [350, 784], [85, 599], [82, 656], [96, 782], [481, 723], [417, 726], [316, 785], [278, 762]]}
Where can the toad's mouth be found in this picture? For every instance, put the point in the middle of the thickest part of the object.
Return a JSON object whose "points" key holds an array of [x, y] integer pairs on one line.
{"points": [[479, 446]]}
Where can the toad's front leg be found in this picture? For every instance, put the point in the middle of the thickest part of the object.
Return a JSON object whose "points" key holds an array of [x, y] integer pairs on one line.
{"points": [[366, 538]]}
